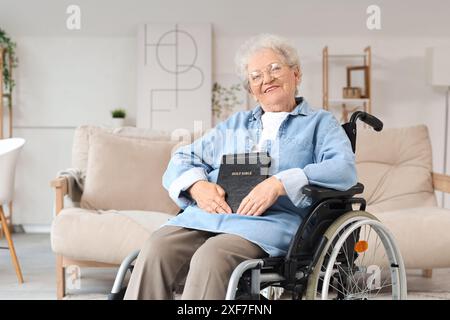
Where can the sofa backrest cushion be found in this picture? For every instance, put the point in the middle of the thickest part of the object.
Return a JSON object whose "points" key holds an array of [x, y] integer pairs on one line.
{"points": [[80, 147], [125, 174], [395, 167]]}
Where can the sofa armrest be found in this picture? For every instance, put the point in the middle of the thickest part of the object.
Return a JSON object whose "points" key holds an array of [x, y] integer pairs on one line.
{"points": [[61, 189], [441, 182]]}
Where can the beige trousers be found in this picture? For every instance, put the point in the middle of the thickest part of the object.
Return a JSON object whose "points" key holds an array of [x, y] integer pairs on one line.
{"points": [[208, 258]]}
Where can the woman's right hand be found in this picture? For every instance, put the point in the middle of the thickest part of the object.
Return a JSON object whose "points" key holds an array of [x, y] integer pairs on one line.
{"points": [[209, 197]]}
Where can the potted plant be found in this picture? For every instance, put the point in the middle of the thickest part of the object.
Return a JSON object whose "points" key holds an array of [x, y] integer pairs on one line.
{"points": [[118, 117], [10, 47], [224, 99], [10, 61]]}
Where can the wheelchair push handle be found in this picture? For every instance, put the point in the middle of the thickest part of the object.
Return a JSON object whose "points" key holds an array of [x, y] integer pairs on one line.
{"points": [[371, 120]]}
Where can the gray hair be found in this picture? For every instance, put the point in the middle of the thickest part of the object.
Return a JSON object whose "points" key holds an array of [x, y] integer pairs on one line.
{"points": [[264, 41]]}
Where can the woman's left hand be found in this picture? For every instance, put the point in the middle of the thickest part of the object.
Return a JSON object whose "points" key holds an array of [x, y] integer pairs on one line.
{"points": [[261, 197]]}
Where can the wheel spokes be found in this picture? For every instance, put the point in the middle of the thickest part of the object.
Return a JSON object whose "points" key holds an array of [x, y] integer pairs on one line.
{"points": [[358, 274]]}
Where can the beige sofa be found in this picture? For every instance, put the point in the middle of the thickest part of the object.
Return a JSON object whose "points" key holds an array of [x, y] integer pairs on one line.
{"points": [[108, 213]]}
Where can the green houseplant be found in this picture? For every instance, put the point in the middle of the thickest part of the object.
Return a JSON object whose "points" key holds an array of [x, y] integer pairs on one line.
{"points": [[118, 117], [10, 48], [224, 99]]}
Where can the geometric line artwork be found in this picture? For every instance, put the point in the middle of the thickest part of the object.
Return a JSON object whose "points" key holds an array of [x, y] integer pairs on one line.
{"points": [[175, 72]]}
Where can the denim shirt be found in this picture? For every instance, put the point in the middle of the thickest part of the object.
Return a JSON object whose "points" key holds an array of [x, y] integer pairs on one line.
{"points": [[311, 148]]}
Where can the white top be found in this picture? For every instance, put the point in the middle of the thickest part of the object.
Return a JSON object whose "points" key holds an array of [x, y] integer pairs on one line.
{"points": [[271, 122]]}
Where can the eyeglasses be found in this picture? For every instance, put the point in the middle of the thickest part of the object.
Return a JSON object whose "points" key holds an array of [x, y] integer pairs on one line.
{"points": [[274, 69]]}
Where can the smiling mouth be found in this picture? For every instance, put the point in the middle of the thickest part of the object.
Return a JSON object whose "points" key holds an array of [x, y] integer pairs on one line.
{"points": [[269, 89]]}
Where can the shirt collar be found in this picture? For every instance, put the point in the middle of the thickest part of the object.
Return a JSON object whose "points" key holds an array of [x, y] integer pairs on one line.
{"points": [[302, 108]]}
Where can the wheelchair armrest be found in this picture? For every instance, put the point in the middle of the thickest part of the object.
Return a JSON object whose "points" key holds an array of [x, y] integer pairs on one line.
{"points": [[320, 193]]}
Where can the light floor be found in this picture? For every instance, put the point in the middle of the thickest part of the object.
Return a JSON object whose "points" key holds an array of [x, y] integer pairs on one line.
{"points": [[38, 267]]}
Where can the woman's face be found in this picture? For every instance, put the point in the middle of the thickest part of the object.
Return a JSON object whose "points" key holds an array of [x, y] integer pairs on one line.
{"points": [[272, 83]]}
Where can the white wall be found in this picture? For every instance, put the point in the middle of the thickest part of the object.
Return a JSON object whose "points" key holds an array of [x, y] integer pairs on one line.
{"points": [[69, 81], [63, 83]]}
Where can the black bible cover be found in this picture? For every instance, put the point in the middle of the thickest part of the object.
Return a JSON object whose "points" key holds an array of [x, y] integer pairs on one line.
{"points": [[239, 173]]}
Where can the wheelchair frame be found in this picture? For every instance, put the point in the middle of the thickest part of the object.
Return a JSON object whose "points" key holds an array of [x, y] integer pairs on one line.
{"points": [[292, 272]]}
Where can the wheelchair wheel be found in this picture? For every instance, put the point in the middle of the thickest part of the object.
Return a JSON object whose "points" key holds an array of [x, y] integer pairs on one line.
{"points": [[360, 261]]}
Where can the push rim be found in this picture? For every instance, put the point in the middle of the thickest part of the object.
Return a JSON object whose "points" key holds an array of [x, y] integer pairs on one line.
{"points": [[360, 261]]}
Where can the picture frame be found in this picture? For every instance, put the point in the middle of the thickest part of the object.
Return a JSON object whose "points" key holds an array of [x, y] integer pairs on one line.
{"points": [[358, 76]]}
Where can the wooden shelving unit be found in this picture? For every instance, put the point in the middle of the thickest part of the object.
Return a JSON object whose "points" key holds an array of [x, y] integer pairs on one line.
{"points": [[6, 96], [348, 105]]}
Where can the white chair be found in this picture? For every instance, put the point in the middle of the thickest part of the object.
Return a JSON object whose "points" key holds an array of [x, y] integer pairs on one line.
{"points": [[9, 153]]}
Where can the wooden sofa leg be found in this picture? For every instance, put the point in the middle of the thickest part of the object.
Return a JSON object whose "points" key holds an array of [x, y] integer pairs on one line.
{"points": [[427, 273], [60, 278]]}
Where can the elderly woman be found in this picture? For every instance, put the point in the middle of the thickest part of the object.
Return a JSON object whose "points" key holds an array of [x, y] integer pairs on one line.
{"points": [[207, 240]]}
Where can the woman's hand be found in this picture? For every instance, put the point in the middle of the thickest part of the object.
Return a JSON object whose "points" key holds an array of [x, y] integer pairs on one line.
{"points": [[209, 197], [261, 197]]}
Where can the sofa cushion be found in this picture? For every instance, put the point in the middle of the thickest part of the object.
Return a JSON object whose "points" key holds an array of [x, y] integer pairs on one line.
{"points": [[102, 236], [395, 167], [421, 234], [80, 146], [125, 174]]}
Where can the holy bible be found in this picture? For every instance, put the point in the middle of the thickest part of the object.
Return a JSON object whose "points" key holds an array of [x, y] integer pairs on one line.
{"points": [[240, 173]]}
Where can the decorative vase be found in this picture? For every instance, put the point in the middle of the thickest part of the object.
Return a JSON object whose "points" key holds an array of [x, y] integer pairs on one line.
{"points": [[118, 122]]}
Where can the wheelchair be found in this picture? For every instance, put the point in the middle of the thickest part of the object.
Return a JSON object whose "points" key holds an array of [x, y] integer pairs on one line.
{"points": [[339, 252]]}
